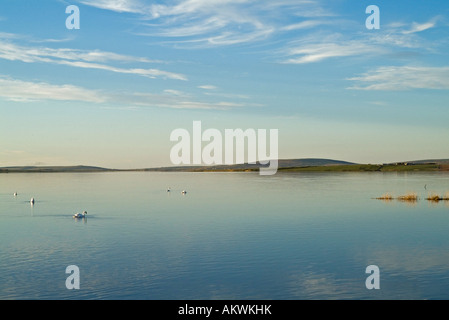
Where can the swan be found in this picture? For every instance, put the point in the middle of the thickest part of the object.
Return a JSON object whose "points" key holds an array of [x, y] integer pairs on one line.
{"points": [[15, 194], [32, 201], [184, 192], [80, 215]]}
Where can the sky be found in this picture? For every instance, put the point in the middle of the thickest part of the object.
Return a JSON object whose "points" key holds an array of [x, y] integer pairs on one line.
{"points": [[111, 92]]}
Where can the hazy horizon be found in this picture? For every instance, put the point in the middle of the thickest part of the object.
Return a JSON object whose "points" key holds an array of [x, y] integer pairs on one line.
{"points": [[223, 165]]}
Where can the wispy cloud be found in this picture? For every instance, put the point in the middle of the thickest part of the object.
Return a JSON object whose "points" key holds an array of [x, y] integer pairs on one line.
{"points": [[307, 24], [25, 91], [219, 22], [93, 59], [174, 99], [28, 91], [214, 91], [175, 92], [150, 73], [51, 40], [131, 6], [419, 27], [403, 78], [7, 35], [207, 87], [323, 45], [310, 50], [403, 35], [210, 23]]}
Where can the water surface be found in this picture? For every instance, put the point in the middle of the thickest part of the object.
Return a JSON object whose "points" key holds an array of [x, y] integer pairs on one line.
{"points": [[232, 236]]}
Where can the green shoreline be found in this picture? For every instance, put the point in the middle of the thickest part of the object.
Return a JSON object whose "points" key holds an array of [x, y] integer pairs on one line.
{"points": [[370, 168], [425, 167]]}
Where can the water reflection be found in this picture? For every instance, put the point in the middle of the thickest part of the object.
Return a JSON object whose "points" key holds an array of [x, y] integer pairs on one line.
{"points": [[239, 236], [407, 259], [83, 219], [317, 286]]}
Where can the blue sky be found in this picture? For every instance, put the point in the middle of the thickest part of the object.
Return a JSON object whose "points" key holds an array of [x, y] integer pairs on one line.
{"points": [[110, 93]]}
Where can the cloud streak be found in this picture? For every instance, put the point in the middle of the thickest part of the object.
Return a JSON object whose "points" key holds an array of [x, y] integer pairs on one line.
{"points": [[121, 6], [26, 91], [206, 23], [393, 78], [419, 27], [315, 52], [320, 46], [93, 59], [209, 23], [207, 87], [307, 24]]}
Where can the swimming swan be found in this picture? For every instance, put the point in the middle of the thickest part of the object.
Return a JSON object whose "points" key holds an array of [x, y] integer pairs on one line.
{"points": [[184, 192], [32, 201], [80, 215]]}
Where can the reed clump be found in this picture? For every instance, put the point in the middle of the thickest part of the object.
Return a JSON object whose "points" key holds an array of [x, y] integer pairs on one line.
{"points": [[386, 197], [437, 198], [409, 197], [434, 198], [412, 197]]}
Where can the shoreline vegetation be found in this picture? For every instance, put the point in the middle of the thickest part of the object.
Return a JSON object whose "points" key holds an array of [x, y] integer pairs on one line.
{"points": [[296, 165]]}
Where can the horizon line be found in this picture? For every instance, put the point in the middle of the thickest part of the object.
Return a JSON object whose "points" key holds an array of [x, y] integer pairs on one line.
{"points": [[215, 165]]}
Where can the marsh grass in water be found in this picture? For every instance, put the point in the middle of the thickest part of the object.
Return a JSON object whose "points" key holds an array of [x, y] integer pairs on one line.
{"points": [[412, 197], [409, 197], [387, 197], [437, 198]]}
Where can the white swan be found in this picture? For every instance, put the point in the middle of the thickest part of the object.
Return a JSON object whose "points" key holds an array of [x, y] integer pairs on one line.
{"points": [[184, 192], [80, 215], [15, 194], [32, 201]]}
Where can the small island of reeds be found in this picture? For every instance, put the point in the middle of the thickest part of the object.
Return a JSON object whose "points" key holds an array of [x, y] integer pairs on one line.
{"points": [[437, 198], [413, 197]]}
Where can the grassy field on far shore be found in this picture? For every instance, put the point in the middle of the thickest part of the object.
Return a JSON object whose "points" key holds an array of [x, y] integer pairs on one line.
{"points": [[253, 168], [367, 168]]}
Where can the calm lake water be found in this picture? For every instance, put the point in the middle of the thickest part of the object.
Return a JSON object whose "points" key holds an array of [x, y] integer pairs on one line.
{"points": [[232, 236]]}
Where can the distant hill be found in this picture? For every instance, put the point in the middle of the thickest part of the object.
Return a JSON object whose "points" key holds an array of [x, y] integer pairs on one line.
{"points": [[53, 169], [290, 163], [309, 164], [436, 161]]}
